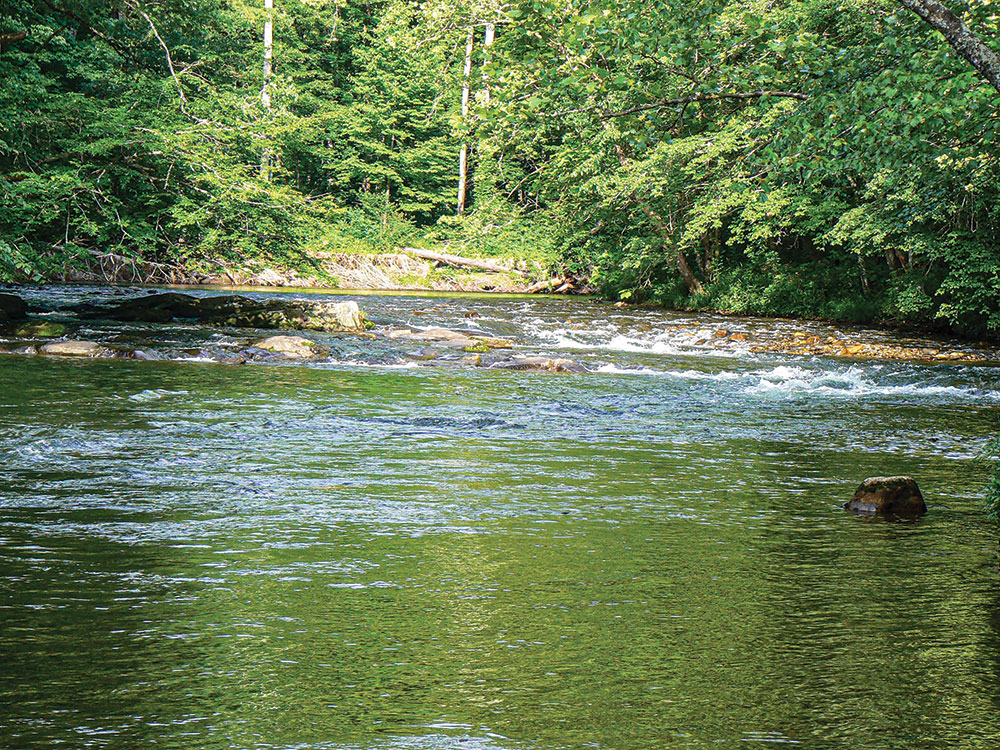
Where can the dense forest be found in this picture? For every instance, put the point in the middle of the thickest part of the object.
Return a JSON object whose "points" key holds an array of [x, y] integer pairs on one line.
{"points": [[835, 158]]}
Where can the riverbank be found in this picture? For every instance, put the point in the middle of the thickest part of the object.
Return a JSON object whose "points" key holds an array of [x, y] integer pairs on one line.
{"points": [[406, 269]]}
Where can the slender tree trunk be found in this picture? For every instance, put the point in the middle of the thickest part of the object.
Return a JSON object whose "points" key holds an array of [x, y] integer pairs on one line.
{"points": [[488, 36], [964, 40], [463, 155], [666, 236], [265, 92]]}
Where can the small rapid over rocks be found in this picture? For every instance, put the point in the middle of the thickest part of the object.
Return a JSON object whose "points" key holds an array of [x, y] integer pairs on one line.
{"points": [[767, 357]]}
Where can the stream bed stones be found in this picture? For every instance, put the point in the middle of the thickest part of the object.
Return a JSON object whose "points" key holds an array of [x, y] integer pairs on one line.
{"points": [[72, 348]]}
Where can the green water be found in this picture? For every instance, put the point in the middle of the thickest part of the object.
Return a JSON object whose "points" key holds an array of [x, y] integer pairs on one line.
{"points": [[358, 556]]}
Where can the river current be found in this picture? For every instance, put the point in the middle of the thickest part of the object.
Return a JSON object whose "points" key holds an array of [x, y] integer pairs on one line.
{"points": [[384, 550]]}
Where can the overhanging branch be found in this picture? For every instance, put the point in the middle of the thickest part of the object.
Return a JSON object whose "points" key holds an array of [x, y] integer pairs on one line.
{"points": [[708, 97]]}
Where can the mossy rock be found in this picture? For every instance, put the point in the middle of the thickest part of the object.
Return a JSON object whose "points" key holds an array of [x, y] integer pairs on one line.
{"points": [[44, 329], [233, 311], [480, 347]]}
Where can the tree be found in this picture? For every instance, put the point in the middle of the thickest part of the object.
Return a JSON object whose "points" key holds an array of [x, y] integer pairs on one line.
{"points": [[965, 41]]}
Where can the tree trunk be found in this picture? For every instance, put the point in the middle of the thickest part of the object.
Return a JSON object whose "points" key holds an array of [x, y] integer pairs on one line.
{"points": [[964, 40], [457, 260], [690, 280], [463, 155], [488, 36], [265, 93]]}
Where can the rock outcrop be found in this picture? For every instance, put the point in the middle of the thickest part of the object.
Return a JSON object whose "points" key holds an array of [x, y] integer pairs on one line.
{"points": [[233, 311], [12, 307], [888, 496]]}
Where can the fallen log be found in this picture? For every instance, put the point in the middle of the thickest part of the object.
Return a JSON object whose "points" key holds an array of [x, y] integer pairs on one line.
{"points": [[457, 261]]}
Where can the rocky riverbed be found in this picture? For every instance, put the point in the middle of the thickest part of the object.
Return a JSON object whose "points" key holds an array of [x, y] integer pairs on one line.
{"points": [[237, 329]]}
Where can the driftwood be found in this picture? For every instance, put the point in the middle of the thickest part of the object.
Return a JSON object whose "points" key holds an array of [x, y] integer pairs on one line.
{"points": [[457, 260], [560, 285]]}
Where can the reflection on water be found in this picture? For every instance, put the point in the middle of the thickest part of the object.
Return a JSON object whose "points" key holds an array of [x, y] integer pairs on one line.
{"points": [[200, 556]]}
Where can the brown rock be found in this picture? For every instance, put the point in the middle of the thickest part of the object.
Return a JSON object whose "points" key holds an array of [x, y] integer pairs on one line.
{"points": [[75, 349], [296, 347], [888, 496]]}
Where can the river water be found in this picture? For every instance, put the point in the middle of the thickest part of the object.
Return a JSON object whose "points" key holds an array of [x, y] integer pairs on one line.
{"points": [[384, 550]]}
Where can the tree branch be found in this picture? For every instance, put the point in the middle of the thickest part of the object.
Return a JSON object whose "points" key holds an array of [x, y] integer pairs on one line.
{"points": [[964, 40], [686, 100], [12, 38]]}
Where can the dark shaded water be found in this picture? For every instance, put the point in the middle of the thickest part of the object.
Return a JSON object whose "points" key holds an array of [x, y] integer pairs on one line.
{"points": [[371, 553]]}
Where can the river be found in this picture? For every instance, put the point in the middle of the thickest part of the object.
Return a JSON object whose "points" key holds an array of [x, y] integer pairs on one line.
{"points": [[383, 550]]}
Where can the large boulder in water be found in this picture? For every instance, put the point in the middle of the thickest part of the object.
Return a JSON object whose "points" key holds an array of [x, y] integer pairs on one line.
{"points": [[12, 307], [234, 311], [888, 496]]}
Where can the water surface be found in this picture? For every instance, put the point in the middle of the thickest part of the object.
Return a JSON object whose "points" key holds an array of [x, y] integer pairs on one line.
{"points": [[380, 551]]}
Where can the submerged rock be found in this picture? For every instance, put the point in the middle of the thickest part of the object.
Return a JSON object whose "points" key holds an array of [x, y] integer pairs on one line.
{"points": [[12, 307], [540, 364], [296, 347], [234, 311], [44, 329], [197, 354], [15, 348], [461, 340], [75, 349], [888, 496]]}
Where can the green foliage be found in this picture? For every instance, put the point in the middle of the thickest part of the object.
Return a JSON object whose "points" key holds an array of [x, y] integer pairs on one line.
{"points": [[810, 157]]}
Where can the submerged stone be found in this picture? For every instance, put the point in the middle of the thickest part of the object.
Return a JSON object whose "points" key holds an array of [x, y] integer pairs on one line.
{"points": [[888, 496], [540, 364], [233, 311], [459, 340]]}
